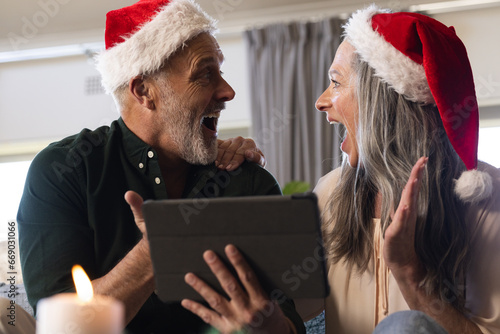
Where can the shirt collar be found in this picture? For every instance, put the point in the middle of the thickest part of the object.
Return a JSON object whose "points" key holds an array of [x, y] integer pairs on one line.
{"points": [[137, 151]]}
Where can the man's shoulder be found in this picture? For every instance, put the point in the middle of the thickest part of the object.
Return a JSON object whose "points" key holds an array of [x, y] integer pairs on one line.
{"points": [[69, 153], [85, 140], [252, 170], [82, 143], [248, 179]]}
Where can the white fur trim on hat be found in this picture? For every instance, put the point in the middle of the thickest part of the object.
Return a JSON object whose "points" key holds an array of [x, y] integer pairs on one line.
{"points": [[401, 73], [146, 50], [473, 186]]}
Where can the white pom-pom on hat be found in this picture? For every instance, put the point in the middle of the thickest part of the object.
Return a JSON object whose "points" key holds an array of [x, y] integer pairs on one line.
{"points": [[474, 186]]}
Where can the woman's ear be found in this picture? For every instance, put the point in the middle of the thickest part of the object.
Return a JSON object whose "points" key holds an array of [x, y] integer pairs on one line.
{"points": [[142, 90]]}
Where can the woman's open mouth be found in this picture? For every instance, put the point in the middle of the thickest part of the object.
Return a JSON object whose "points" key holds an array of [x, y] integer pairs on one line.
{"points": [[331, 120]]}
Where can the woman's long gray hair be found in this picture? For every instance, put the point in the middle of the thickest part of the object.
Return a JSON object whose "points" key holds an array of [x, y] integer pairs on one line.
{"points": [[392, 134]]}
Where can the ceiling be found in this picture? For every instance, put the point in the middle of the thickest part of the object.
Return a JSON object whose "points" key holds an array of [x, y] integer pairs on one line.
{"points": [[33, 24], [28, 24], [70, 15]]}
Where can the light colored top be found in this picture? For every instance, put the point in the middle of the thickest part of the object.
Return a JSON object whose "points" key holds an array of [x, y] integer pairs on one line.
{"points": [[358, 302]]}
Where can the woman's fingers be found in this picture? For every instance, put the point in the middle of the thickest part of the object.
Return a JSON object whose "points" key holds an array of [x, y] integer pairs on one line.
{"points": [[408, 203], [230, 155], [400, 235], [256, 155], [234, 151]]}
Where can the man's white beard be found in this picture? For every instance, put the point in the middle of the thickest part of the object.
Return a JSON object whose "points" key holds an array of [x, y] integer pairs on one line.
{"points": [[185, 129]]}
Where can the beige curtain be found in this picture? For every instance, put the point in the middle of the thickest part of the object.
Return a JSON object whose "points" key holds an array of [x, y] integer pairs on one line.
{"points": [[288, 71]]}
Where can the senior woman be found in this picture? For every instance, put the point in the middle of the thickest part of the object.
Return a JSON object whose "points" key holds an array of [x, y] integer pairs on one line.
{"points": [[403, 88], [411, 220]]}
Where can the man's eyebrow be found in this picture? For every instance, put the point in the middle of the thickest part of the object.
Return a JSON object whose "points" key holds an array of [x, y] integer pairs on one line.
{"points": [[208, 61]]}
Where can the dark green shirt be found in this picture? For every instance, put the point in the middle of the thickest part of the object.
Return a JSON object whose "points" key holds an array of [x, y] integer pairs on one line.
{"points": [[73, 212]]}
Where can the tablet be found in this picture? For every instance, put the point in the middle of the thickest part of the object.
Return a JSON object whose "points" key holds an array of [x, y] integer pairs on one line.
{"points": [[279, 236]]}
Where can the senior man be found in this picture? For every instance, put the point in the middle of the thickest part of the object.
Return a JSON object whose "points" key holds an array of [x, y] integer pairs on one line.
{"points": [[162, 66]]}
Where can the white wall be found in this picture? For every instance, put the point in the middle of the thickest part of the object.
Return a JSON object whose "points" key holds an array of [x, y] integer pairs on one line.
{"points": [[480, 32], [45, 100], [237, 114]]}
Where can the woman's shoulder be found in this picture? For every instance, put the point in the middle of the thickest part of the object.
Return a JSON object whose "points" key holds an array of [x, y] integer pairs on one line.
{"points": [[482, 280], [328, 180], [325, 186], [492, 170], [483, 217], [495, 181]]}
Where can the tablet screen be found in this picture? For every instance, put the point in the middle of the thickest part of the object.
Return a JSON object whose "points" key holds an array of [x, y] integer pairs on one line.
{"points": [[279, 236]]}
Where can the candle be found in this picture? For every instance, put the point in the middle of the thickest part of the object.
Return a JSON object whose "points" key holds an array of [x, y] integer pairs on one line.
{"points": [[81, 312]]}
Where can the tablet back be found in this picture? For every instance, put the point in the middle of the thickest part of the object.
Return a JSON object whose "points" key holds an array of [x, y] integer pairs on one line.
{"points": [[279, 236]]}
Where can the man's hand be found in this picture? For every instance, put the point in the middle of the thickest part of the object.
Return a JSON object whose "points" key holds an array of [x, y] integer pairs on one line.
{"points": [[135, 201], [234, 151], [132, 279], [248, 308]]}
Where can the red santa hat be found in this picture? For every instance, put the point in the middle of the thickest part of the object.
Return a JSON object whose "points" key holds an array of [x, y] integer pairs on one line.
{"points": [[140, 37], [425, 61]]}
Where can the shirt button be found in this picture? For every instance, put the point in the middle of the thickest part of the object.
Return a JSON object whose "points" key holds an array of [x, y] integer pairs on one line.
{"points": [[151, 154], [157, 180], [141, 165]]}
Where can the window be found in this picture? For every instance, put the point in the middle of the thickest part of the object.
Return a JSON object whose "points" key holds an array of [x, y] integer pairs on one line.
{"points": [[12, 178], [488, 149]]}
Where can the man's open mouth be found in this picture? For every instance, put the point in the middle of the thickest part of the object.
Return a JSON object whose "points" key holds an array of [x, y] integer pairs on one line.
{"points": [[210, 122]]}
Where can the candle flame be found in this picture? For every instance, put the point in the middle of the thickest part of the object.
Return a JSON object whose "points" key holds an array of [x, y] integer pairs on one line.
{"points": [[83, 285]]}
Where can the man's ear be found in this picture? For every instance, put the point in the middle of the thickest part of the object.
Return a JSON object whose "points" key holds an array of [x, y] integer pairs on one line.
{"points": [[142, 90]]}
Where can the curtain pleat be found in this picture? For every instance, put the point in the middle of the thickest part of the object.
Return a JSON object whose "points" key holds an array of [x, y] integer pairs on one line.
{"points": [[288, 71]]}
